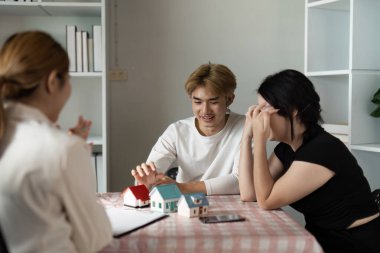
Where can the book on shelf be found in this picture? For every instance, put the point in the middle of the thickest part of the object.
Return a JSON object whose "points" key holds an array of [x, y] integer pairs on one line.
{"points": [[79, 51], [340, 131], [97, 39], [85, 51], [71, 46], [82, 49], [336, 128], [343, 138], [90, 47]]}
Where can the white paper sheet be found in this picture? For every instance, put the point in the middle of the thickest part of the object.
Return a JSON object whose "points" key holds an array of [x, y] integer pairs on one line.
{"points": [[124, 220]]}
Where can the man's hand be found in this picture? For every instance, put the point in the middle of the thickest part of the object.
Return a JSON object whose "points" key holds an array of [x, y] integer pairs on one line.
{"points": [[162, 179], [146, 174]]}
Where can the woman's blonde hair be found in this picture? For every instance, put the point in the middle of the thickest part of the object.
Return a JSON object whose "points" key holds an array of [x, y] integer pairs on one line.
{"points": [[216, 77], [26, 60]]}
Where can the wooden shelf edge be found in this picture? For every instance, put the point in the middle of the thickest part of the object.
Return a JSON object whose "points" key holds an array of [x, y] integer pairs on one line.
{"points": [[54, 4], [330, 4], [328, 73], [86, 74], [371, 147]]}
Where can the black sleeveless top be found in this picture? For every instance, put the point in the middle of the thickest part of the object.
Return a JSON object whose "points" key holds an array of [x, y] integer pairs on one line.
{"points": [[346, 197]]}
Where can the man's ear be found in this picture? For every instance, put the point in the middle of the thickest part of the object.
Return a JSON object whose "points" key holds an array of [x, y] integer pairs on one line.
{"points": [[230, 99], [52, 81]]}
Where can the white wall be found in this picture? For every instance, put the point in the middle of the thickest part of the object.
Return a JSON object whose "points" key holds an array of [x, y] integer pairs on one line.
{"points": [[161, 42]]}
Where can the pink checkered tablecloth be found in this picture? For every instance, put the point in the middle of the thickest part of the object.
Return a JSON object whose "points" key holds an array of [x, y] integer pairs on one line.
{"points": [[262, 231]]}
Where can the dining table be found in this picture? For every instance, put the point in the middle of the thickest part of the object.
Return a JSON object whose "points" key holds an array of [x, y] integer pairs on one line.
{"points": [[261, 231]]}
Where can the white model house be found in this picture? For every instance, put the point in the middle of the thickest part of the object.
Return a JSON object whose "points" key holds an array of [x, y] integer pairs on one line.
{"points": [[193, 205], [164, 198]]}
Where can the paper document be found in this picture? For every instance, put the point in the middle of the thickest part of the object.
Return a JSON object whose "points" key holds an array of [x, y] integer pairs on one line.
{"points": [[125, 220]]}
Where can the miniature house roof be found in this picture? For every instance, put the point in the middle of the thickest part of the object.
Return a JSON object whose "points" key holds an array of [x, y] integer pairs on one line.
{"points": [[167, 191], [195, 199], [140, 192]]}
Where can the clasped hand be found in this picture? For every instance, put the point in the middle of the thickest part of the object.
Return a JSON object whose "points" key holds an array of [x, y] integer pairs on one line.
{"points": [[258, 120]]}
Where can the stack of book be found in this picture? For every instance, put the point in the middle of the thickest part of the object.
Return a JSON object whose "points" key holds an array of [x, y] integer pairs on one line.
{"points": [[85, 53], [339, 131]]}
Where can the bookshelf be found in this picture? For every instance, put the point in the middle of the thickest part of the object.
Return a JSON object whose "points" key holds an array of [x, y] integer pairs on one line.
{"points": [[342, 58], [89, 90]]}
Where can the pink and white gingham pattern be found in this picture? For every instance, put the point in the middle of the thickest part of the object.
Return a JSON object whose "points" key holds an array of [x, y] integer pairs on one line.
{"points": [[263, 231]]}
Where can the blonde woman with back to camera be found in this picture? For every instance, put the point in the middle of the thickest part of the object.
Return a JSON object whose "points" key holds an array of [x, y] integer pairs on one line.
{"points": [[47, 182]]}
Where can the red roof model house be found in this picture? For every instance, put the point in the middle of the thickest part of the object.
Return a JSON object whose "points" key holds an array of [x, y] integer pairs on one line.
{"points": [[136, 196]]}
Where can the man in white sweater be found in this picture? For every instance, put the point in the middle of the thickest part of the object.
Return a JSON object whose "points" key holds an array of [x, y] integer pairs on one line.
{"points": [[205, 147]]}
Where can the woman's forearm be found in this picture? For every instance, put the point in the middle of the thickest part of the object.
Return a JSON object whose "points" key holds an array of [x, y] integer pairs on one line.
{"points": [[263, 180], [246, 186]]}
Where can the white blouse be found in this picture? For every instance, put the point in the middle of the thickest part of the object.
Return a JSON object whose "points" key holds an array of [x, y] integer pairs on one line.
{"points": [[47, 188]]}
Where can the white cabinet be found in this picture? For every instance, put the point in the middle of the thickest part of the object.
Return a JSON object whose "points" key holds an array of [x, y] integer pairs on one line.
{"points": [[342, 58], [89, 90]]}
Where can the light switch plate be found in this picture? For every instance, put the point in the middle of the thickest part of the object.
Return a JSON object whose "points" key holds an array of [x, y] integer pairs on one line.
{"points": [[118, 75]]}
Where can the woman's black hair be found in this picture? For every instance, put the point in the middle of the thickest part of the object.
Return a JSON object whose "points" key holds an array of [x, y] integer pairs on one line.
{"points": [[290, 90]]}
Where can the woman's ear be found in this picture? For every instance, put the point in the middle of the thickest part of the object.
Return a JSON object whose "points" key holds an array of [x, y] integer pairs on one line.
{"points": [[52, 82], [295, 113]]}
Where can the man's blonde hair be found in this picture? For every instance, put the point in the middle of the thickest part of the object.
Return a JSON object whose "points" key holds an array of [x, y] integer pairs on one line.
{"points": [[217, 77]]}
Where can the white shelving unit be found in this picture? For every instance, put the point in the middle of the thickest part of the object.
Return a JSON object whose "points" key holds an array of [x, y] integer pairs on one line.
{"points": [[342, 58], [89, 90]]}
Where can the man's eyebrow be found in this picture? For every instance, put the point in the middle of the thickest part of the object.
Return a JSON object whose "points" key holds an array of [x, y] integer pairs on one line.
{"points": [[211, 99]]}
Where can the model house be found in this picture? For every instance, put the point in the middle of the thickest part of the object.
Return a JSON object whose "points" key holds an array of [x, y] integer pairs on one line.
{"points": [[136, 196], [164, 198], [193, 205]]}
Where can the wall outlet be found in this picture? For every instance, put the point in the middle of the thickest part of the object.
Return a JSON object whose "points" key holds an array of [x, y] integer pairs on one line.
{"points": [[117, 75]]}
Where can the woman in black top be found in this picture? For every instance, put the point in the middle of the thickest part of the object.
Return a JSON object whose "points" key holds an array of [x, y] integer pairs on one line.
{"points": [[310, 169]]}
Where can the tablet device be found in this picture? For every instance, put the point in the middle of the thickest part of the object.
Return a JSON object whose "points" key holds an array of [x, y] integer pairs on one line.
{"points": [[221, 218]]}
